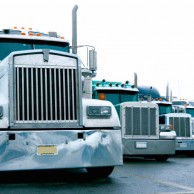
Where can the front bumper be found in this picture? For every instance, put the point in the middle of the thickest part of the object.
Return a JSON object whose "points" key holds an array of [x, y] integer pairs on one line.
{"points": [[28, 150], [184, 144], [146, 147]]}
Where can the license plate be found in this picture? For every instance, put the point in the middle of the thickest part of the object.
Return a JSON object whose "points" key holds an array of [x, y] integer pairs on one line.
{"points": [[47, 150], [183, 145], [141, 144]]}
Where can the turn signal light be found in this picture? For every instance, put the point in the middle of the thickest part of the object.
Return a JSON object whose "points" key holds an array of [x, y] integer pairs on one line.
{"points": [[102, 96], [172, 127]]}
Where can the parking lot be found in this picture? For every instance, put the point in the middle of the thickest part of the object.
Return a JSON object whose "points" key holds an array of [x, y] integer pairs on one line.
{"points": [[135, 176]]}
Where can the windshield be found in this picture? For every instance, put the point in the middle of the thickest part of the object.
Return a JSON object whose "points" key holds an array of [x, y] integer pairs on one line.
{"points": [[190, 111], [119, 96], [9, 45], [179, 103], [165, 109], [191, 103]]}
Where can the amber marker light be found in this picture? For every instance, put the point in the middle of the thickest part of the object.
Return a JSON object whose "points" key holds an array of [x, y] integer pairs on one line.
{"points": [[172, 127], [102, 96]]}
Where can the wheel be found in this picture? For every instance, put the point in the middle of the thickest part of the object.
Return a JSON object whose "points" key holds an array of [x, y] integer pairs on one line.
{"points": [[161, 158], [100, 171]]}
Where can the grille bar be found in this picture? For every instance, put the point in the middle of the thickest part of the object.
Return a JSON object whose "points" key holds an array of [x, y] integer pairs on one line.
{"points": [[32, 92], [68, 91], [45, 94]]}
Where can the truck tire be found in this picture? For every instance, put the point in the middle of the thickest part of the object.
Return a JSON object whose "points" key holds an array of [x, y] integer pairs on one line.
{"points": [[100, 172], [162, 158]]}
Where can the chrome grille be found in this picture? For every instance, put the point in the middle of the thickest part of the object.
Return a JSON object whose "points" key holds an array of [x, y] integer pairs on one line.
{"points": [[45, 94], [140, 121], [181, 126]]}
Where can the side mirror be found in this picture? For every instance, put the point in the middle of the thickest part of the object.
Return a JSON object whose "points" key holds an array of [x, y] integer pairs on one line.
{"points": [[92, 60]]}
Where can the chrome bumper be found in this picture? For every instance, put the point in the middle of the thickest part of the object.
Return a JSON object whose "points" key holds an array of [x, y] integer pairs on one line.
{"points": [[59, 149]]}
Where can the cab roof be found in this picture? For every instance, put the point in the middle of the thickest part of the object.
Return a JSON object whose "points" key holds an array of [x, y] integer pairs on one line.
{"points": [[30, 34]]}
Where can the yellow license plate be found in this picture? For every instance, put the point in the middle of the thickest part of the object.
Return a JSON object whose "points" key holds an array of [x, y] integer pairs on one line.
{"points": [[47, 150]]}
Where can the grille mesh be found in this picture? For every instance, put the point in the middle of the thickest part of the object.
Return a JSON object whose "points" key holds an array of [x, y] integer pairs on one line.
{"points": [[181, 126], [140, 121]]}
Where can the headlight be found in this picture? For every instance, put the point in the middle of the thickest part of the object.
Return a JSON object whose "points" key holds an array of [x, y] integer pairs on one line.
{"points": [[1, 112], [164, 127], [99, 110]]}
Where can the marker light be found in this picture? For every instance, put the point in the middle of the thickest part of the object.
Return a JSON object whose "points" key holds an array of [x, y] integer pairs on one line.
{"points": [[28, 31], [171, 127], [102, 96]]}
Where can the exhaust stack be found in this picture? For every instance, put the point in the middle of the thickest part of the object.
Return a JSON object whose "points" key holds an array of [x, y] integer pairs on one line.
{"points": [[167, 92], [170, 95], [74, 29], [135, 80]]}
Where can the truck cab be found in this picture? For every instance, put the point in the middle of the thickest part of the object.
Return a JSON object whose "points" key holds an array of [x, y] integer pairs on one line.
{"points": [[176, 115], [142, 135], [186, 107], [46, 120]]}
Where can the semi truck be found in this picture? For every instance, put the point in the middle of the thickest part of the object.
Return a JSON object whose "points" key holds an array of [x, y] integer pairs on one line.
{"points": [[184, 106], [142, 136], [179, 116], [47, 120]]}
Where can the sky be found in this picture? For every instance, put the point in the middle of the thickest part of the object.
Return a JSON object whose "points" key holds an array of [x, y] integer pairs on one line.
{"points": [[153, 38]]}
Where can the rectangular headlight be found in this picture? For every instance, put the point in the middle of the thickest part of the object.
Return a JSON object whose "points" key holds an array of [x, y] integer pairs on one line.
{"points": [[99, 110], [164, 127], [1, 112]]}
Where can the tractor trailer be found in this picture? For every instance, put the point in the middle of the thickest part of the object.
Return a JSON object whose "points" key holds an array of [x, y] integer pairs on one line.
{"points": [[142, 135], [47, 120]]}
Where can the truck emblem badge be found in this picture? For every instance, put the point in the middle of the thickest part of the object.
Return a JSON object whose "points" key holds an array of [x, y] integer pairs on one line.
{"points": [[46, 55]]}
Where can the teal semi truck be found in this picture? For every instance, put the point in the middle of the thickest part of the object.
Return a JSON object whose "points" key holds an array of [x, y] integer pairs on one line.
{"points": [[175, 113], [142, 135], [47, 120]]}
